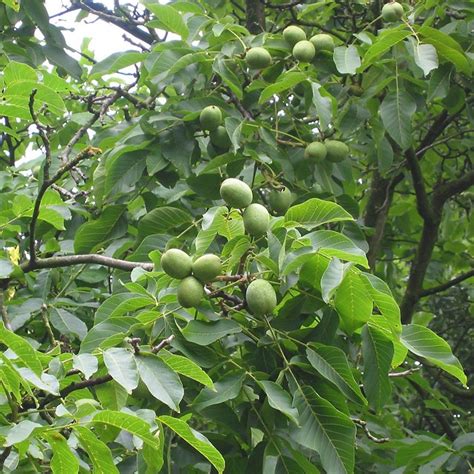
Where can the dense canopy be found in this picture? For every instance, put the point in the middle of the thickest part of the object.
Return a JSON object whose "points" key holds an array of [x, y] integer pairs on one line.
{"points": [[243, 244]]}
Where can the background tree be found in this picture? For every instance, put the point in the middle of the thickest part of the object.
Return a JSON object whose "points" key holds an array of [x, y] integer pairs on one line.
{"points": [[104, 166]]}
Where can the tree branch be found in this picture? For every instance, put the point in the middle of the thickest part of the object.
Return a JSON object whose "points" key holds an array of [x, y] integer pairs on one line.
{"points": [[448, 284], [447, 190], [422, 202], [107, 15], [70, 260], [255, 12], [3, 310], [378, 206], [68, 165], [429, 236]]}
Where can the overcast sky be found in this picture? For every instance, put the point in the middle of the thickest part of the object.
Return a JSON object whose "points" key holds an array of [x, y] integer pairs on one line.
{"points": [[106, 38]]}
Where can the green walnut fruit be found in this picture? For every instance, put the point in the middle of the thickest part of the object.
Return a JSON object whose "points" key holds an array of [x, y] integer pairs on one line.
{"points": [[315, 151], [392, 12], [220, 138], [207, 267], [337, 151], [304, 51], [176, 263], [280, 200], [322, 42], [258, 58], [210, 117], [260, 297], [293, 34], [190, 292], [256, 220], [236, 193]]}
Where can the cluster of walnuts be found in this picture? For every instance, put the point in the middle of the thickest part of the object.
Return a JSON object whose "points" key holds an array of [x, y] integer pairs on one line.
{"points": [[260, 296]]}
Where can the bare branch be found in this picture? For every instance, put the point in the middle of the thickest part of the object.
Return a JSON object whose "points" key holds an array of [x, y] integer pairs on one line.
{"points": [[42, 134], [448, 284], [70, 260], [163, 343], [363, 425], [447, 190], [3, 311], [405, 373], [102, 12]]}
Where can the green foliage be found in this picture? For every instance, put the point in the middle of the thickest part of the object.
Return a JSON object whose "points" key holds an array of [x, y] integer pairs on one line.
{"points": [[311, 197]]}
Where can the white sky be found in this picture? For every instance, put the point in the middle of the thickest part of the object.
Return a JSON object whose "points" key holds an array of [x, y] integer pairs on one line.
{"points": [[106, 38]]}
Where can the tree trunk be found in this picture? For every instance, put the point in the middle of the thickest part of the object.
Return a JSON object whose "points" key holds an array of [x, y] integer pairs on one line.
{"points": [[380, 200], [418, 269], [255, 16]]}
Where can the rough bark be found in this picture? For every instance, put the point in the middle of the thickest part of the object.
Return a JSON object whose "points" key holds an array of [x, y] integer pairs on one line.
{"points": [[380, 199], [418, 269], [255, 16]]}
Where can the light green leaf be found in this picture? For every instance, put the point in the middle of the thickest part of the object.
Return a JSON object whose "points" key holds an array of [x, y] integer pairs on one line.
{"points": [[20, 432], [397, 111], [377, 351], [121, 366], [22, 349], [123, 172], [205, 333], [184, 366], [15, 71], [332, 364], [347, 59], [198, 441], [383, 43], [439, 82], [115, 62], [19, 93], [425, 343], [46, 382], [323, 106], [279, 399], [160, 380], [187, 60], [315, 212], [426, 57], [169, 19], [86, 363], [332, 278], [132, 424], [284, 82], [67, 324], [353, 302], [113, 327], [162, 220], [326, 430], [111, 395], [98, 452], [335, 244], [447, 47], [6, 268], [384, 301], [228, 76], [63, 460], [93, 233], [13, 4], [227, 388], [120, 304]]}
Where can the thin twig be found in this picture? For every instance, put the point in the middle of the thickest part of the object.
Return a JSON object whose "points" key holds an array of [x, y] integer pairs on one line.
{"points": [[3, 311], [162, 344], [363, 425]]}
